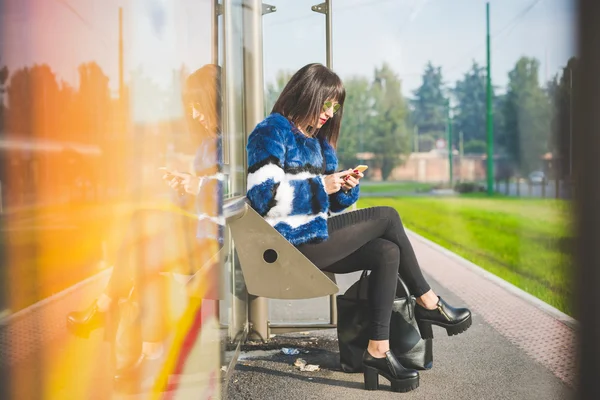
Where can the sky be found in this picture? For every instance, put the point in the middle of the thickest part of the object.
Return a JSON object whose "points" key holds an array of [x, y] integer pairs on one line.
{"points": [[162, 35], [409, 33]]}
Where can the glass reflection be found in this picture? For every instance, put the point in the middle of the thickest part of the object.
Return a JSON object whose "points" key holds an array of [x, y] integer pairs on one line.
{"points": [[111, 266]]}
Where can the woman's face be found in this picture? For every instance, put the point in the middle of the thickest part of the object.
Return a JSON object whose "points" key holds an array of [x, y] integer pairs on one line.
{"points": [[198, 116], [330, 107]]}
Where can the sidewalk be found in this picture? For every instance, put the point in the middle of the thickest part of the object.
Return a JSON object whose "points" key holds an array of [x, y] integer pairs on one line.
{"points": [[517, 347]]}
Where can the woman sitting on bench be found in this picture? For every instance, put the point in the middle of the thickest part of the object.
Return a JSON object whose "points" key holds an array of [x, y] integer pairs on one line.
{"points": [[292, 183]]}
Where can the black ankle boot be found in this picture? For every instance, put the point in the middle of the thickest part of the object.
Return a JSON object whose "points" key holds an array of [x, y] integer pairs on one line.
{"points": [[454, 320], [81, 323], [402, 379]]}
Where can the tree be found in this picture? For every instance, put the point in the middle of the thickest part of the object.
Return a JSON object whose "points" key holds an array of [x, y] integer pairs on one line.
{"points": [[33, 101], [426, 142], [498, 103], [560, 90], [470, 112], [274, 89], [389, 138], [475, 147], [358, 106], [430, 103], [527, 113], [94, 102]]}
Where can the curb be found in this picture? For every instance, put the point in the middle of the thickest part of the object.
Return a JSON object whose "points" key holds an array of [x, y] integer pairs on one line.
{"points": [[534, 301], [6, 317]]}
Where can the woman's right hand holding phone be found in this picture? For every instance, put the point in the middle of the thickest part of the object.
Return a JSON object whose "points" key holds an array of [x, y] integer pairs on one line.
{"points": [[334, 182], [351, 180]]}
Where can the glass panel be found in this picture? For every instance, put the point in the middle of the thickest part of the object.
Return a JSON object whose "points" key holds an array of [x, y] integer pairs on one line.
{"points": [[111, 199], [417, 113], [234, 307], [293, 37]]}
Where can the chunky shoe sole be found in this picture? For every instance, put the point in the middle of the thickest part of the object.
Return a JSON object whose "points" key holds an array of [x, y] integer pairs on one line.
{"points": [[80, 331], [371, 376], [451, 329]]}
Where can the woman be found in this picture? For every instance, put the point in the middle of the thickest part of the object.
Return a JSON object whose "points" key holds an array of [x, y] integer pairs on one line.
{"points": [[202, 104], [292, 183]]}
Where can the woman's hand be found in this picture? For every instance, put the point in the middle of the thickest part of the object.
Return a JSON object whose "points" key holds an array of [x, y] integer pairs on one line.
{"points": [[334, 182], [351, 181], [178, 181]]}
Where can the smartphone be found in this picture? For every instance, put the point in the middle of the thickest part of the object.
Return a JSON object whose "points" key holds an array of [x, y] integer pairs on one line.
{"points": [[168, 174], [360, 168]]}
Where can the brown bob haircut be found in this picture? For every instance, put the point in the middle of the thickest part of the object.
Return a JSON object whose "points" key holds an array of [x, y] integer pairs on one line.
{"points": [[203, 90], [301, 101]]}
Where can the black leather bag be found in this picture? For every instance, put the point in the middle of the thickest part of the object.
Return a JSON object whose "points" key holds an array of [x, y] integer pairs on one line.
{"points": [[353, 328]]}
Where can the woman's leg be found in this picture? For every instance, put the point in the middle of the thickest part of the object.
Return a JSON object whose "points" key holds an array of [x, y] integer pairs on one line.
{"points": [[354, 244], [351, 230], [381, 257]]}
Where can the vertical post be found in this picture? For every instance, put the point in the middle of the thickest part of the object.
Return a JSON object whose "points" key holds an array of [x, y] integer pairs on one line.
{"points": [[557, 181], [325, 8], [121, 79], [450, 154], [329, 34], [329, 54], [216, 10], [258, 307], [416, 138], [571, 121], [544, 183], [587, 196], [489, 115], [461, 151]]}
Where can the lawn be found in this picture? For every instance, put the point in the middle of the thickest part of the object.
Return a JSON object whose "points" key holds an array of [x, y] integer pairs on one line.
{"points": [[523, 241], [392, 187]]}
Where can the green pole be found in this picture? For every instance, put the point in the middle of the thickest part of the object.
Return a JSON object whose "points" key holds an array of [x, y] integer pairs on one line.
{"points": [[416, 139], [450, 162], [489, 115]]}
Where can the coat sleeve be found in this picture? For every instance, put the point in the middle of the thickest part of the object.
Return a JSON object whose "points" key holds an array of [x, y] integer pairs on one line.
{"points": [[271, 191], [340, 200]]}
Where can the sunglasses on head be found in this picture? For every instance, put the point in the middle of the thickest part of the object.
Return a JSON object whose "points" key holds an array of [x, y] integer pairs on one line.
{"points": [[328, 104]]}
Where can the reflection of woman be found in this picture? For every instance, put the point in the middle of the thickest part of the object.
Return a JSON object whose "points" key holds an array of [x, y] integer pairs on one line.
{"points": [[202, 105], [202, 100], [292, 183]]}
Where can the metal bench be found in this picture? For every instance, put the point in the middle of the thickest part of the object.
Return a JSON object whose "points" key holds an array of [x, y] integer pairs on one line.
{"points": [[273, 268]]}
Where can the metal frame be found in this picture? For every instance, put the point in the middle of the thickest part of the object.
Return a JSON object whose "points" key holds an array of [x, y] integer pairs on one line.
{"points": [[273, 268], [253, 114], [254, 267], [586, 142], [326, 8]]}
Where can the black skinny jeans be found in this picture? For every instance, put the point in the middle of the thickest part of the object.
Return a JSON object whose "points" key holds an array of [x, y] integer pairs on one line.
{"points": [[371, 239]]}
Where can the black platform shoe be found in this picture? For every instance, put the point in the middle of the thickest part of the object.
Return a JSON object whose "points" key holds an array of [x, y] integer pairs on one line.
{"points": [[454, 320], [81, 323], [402, 379]]}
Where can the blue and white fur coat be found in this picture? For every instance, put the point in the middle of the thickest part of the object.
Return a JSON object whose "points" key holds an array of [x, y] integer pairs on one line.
{"points": [[285, 180]]}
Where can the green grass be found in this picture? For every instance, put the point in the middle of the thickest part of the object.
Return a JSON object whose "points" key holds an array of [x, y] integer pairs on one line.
{"points": [[523, 241], [391, 187]]}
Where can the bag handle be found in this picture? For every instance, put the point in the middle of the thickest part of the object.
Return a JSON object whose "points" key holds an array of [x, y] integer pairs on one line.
{"points": [[364, 275], [409, 297]]}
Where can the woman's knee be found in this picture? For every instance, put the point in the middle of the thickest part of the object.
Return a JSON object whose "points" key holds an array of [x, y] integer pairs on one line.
{"points": [[386, 252], [391, 214]]}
